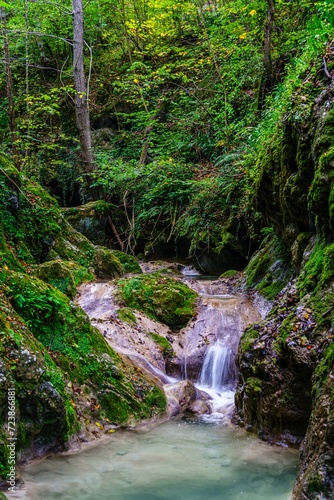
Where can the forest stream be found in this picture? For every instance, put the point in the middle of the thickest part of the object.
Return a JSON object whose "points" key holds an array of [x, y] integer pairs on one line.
{"points": [[188, 457]]}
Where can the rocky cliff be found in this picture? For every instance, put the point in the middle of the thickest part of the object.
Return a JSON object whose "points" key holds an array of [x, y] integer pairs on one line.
{"points": [[286, 361]]}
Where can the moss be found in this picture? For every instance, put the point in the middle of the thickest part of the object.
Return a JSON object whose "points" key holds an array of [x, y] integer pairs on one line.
{"points": [[129, 262], [78, 349], [323, 370], [163, 343], [230, 274], [71, 245], [30, 217], [164, 299], [247, 339], [318, 270], [253, 385], [314, 484], [269, 269], [106, 264], [65, 276], [125, 314]]}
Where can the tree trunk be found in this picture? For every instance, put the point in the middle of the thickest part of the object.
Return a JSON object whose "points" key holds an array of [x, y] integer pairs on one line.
{"points": [[268, 76], [9, 88], [81, 97]]}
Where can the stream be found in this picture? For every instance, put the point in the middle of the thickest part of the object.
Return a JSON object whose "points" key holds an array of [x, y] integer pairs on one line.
{"points": [[198, 457]]}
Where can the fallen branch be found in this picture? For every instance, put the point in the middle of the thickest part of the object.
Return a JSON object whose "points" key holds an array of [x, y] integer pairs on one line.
{"points": [[114, 230]]}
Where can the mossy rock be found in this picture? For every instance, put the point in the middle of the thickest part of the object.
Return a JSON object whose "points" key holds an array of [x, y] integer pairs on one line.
{"points": [[164, 299], [72, 245], [31, 220], [163, 343], [232, 273], [45, 416], [79, 350], [129, 262], [269, 270], [318, 270], [106, 264], [125, 314], [90, 220], [63, 275]]}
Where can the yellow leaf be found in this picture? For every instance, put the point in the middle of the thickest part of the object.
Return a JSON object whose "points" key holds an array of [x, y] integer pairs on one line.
{"points": [[111, 430], [252, 12], [243, 36]]}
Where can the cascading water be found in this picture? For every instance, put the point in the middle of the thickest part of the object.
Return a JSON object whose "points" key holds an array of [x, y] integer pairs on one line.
{"points": [[215, 373]]}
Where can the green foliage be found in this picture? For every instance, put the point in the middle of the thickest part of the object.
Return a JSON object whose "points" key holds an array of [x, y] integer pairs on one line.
{"points": [[161, 298]]}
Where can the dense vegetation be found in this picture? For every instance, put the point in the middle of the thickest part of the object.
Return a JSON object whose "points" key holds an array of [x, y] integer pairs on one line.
{"points": [[213, 128], [180, 106]]}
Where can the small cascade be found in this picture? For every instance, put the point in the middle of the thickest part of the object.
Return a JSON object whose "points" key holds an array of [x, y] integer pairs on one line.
{"points": [[215, 373]]}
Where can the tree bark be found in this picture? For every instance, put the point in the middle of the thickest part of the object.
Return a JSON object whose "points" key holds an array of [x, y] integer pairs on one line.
{"points": [[268, 76], [9, 88], [81, 97]]}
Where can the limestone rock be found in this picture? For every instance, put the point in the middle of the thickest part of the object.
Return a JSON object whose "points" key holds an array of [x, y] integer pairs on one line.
{"points": [[180, 396]]}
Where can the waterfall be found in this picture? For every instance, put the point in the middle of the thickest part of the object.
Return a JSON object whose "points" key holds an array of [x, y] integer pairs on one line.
{"points": [[216, 367]]}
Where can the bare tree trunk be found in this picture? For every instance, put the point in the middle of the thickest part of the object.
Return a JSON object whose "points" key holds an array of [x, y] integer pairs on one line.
{"points": [[81, 97], [9, 88], [268, 76]]}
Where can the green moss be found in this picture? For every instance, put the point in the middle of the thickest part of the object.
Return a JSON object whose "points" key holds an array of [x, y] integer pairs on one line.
{"points": [[253, 385], [247, 339], [230, 274], [71, 245], [106, 264], [125, 314], [161, 298], [129, 262], [318, 270], [163, 343], [269, 269], [314, 484], [323, 369], [30, 217], [65, 276]]}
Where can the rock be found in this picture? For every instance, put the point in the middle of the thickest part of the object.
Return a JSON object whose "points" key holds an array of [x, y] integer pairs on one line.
{"points": [[64, 275], [179, 396], [106, 264], [91, 220], [129, 262], [199, 407], [165, 299]]}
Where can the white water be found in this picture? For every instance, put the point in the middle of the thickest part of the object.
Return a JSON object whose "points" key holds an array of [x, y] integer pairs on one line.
{"points": [[215, 369]]}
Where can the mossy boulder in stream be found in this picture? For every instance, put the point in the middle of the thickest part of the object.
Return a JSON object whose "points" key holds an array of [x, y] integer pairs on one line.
{"points": [[129, 262], [106, 264], [165, 299]]}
